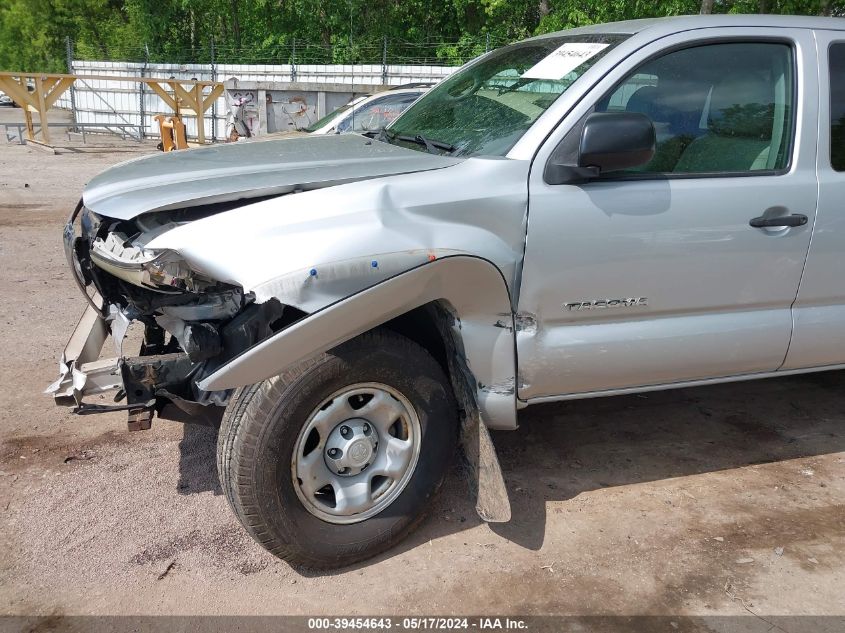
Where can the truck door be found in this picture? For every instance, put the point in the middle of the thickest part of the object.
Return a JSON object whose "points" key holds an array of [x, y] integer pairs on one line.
{"points": [[657, 275], [819, 312]]}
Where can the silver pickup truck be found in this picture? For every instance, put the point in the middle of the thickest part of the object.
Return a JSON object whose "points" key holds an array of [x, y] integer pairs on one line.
{"points": [[613, 209]]}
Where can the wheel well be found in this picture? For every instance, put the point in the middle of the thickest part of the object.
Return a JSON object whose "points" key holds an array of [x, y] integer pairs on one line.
{"points": [[421, 326]]}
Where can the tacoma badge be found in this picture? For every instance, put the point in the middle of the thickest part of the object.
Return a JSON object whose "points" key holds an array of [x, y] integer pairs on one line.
{"points": [[606, 303]]}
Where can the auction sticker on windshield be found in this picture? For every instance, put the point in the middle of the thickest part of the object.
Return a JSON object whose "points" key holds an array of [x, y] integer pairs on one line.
{"points": [[563, 60]]}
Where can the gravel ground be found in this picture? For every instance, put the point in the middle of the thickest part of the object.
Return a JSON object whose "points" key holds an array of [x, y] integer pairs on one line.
{"points": [[718, 500]]}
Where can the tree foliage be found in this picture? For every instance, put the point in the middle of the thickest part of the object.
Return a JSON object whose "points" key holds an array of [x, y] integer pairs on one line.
{"points": [[33, 32]]}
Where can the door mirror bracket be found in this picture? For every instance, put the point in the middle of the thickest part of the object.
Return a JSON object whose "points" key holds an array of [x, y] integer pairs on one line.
{"points": [[556, 174], [610, 141]]}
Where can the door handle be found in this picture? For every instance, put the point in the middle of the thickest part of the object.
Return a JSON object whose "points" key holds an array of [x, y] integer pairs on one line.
{"points": [[796, 219]]}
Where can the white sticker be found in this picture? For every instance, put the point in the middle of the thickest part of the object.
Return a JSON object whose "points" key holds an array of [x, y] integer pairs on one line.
{"points": [[563, 60]]}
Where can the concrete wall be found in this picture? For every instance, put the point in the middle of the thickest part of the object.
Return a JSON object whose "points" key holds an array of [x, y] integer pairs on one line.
{"points": [[286, 106]]}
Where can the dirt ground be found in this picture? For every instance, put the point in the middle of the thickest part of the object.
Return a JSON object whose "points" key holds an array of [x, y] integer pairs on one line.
{"points": [[719, 500]]}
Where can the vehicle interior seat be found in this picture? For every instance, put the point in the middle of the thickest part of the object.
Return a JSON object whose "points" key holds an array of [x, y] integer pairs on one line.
{"points": [[739, 127], [651, 101]]}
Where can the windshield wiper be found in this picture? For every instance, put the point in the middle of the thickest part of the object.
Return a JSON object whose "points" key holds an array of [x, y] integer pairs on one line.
{"points": [[431, 145], [377, 135], [381, 134]]}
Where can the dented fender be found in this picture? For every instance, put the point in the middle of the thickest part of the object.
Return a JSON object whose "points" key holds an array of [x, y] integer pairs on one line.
{"points": [[311, 249], [472, 288]]}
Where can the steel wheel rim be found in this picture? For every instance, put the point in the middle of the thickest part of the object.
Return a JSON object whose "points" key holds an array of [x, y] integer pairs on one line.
{"points": [[363, 475]]}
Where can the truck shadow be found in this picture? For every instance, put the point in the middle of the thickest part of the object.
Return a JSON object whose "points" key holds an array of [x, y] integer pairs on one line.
{"points": [[198, 461], [564, 449]]}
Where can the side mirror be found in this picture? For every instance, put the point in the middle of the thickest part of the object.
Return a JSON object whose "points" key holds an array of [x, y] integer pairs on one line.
{"points": [[610, 141]]}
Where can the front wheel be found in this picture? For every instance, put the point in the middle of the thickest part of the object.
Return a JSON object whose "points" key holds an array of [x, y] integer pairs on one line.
{"points": [[338, 458]]}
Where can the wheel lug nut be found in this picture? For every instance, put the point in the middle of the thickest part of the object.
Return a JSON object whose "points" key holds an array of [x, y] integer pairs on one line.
{"points": [[333, 452], [366, 428], [344, 431]]}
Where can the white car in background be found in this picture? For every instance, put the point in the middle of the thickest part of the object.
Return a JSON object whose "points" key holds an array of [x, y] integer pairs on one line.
{"points": [[369, 113]]}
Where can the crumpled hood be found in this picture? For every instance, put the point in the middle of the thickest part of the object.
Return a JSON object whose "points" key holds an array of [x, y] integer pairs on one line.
{"points": [[233, 171], [313, 248]]}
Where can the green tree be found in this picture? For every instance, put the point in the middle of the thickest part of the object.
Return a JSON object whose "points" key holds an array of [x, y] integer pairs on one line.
{"points": [[32, 32]]}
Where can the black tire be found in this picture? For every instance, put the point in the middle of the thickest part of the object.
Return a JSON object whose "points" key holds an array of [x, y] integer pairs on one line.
{"points": [[261, 426]]}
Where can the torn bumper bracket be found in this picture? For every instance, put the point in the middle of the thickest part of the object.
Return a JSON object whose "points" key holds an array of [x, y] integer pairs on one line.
{"points": [[81, 371], [147, 382]]}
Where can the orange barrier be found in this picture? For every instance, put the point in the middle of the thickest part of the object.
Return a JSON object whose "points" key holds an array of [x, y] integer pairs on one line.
{"points": [[172, 133]]}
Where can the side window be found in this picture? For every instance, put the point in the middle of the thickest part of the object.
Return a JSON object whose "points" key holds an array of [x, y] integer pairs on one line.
{"points": [[621, 97], [377, 113], [836, 58], [717, 108]]}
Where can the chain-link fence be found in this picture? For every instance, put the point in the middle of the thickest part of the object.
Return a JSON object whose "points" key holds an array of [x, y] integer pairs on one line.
{"points": [[312, 79], [385, 51]]}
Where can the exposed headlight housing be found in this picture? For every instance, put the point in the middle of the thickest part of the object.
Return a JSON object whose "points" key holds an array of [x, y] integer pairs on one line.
{"points": [[159, 270]]}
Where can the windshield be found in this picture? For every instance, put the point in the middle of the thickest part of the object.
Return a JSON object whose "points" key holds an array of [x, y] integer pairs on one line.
{"points": [[331, 115], [487, 107]]}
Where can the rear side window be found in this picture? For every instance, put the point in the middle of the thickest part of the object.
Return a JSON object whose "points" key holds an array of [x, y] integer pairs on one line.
{"points": [[837, 106]]}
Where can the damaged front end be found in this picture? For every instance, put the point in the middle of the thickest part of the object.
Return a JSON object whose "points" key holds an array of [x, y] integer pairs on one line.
{"points": [[192, 324]]}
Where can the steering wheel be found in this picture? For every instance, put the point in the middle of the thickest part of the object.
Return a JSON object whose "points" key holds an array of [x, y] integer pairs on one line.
{"points": [[476, 84]]}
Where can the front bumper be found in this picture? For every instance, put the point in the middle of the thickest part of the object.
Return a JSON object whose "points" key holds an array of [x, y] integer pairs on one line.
{"points": [[143, 385], [83, 373]]}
